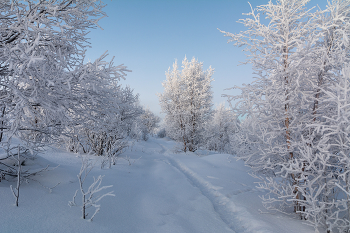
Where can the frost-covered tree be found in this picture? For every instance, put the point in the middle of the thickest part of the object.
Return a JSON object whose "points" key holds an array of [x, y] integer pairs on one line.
{"points": [[31, 50], [150, 121], [90, 196], [220, 130], [144, 124], [292, 133], [187, 101], [46, 88], [106, 131], [44, 80], [170, 102], [269, 100]]}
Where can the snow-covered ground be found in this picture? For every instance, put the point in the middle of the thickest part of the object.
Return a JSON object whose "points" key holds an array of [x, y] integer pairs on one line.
{"points": [[161, 191]]}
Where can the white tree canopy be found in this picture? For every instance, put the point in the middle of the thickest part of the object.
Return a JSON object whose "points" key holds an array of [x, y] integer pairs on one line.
{"points": [[292, 132], [187, 102], [45, 84]]}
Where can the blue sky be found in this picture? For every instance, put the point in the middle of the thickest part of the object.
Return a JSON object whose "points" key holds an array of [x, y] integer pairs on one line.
{"points": [[148, 35]]}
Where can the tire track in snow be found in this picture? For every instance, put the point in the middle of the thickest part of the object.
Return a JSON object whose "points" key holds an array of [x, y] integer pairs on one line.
{"points": [[237, 218]]}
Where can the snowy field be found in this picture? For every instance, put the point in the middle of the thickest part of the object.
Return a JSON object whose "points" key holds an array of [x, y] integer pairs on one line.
{"points": [[161, 191]]}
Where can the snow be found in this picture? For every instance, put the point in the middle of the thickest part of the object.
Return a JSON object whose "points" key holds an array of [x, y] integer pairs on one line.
{"points": [[161, 191]]}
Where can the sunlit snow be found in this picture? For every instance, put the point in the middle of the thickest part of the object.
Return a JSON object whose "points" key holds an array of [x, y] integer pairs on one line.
{"points": [[161, 191]]}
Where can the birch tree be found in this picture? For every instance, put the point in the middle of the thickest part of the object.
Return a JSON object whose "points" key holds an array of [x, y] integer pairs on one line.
{"points": [[299, 58], [273, 99]]}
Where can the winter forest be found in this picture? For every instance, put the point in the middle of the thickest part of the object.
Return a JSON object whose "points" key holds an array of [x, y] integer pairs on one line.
{"points": [[76, 143]]}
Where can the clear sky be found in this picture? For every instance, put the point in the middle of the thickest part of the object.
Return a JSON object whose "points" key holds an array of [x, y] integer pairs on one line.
{"points": [[148, 35]]}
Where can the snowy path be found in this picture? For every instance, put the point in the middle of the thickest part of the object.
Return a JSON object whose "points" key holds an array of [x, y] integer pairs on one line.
{"points": [[238, 219], [164, 200], [160, 192]]}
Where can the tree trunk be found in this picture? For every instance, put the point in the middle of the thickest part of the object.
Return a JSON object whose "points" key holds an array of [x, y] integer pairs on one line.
{"points": [[18, 176], [287, 121], [83, 209], [2, 122]]}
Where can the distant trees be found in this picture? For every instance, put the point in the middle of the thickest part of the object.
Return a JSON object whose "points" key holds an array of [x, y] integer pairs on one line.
{"points": [[187, 101], [150, 120], [220, 130], [145, 125], [295, 111]]}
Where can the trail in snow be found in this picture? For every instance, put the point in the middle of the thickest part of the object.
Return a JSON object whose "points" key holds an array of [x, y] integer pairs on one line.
{"points": [[226, 183], [237, 218]]}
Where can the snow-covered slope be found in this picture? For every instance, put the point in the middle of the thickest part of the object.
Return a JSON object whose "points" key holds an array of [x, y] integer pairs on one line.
{"points": [[160, 192]]}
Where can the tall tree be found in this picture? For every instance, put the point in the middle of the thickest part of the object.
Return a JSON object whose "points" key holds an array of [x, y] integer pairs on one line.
{"points": [[273, 99], [187, 101], [298, 57]]}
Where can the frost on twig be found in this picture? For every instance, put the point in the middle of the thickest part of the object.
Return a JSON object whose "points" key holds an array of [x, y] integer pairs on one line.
{"points": [[89, 196]]}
